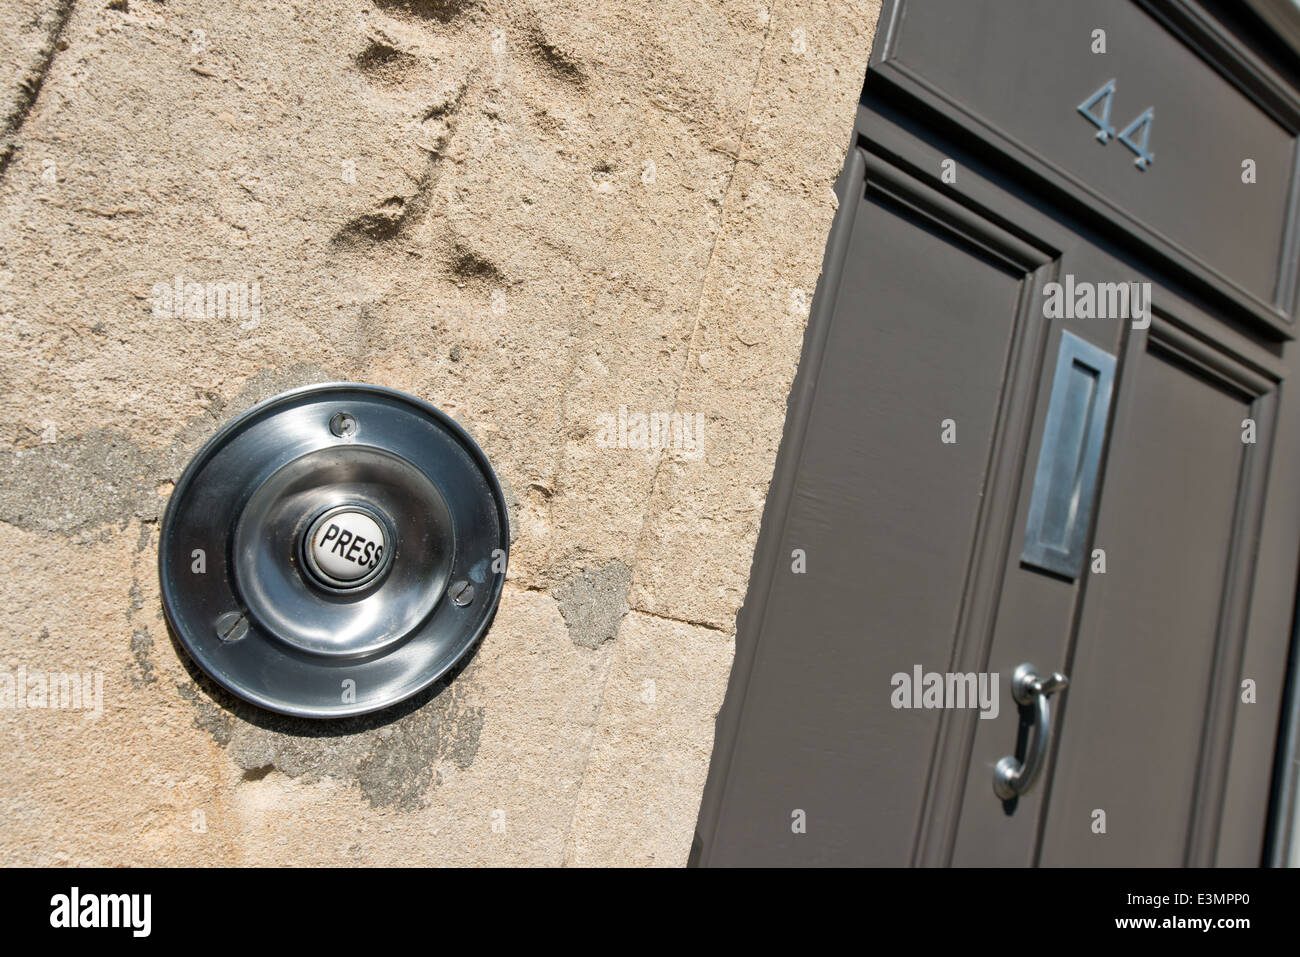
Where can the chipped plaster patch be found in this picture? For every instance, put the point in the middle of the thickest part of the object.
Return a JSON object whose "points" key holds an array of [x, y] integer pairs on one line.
{"points": [[392, 756], [593, 603]]}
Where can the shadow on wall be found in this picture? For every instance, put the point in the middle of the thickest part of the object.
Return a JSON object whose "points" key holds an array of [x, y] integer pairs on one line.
{"points": [[392, 755]]}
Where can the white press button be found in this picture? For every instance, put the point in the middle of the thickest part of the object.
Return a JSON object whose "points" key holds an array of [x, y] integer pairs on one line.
{"points": [[346, 547]]}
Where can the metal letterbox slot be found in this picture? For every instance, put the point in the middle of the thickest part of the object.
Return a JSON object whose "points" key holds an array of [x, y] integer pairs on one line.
{"points": [[1065, 481]]}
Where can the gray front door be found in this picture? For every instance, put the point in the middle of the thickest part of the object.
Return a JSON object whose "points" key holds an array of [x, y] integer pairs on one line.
{"points": [[1000, 452]]}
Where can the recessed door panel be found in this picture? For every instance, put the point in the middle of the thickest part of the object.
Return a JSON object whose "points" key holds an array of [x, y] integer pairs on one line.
{"points": [[884, 510], [1135, 719], [1198, 132]]}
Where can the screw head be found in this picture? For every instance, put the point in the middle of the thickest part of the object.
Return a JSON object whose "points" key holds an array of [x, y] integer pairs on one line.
{"points": [[462, 593], [232, 626], [343, 424]]}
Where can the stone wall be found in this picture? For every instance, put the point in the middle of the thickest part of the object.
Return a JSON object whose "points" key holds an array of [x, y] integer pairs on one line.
{"points": [[531, 215]]}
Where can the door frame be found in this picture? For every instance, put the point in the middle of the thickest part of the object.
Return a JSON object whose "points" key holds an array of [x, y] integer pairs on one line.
{"points": [[1257, 334]]}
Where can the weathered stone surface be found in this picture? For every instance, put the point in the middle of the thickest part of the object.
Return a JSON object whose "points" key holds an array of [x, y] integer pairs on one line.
{"points": [[31, 33], [651, 750], [703, 521], [543, 217]]}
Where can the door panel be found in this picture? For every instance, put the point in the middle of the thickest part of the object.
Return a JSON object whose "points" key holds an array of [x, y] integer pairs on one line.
{"points": [[1131, 738], [1015, 74], [1046, 68], [885, 513]]}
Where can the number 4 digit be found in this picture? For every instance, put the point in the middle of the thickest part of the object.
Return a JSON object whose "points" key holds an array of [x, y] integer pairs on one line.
{"points": [[1104, 130], [1144, 157]]}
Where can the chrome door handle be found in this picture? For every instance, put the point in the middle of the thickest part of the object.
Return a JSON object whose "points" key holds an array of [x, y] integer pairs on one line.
{"points": [[1011, 778]]}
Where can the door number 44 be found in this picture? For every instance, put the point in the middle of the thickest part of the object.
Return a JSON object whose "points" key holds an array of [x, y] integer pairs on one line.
{"points": [[1096, 110]]}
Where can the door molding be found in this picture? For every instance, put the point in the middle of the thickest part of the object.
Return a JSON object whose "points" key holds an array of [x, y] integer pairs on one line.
{"points": [[776, 510], [1196, 30]]}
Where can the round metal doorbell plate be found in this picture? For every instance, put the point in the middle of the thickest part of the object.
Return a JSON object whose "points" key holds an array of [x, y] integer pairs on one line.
{"points": [[334, 550]]}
